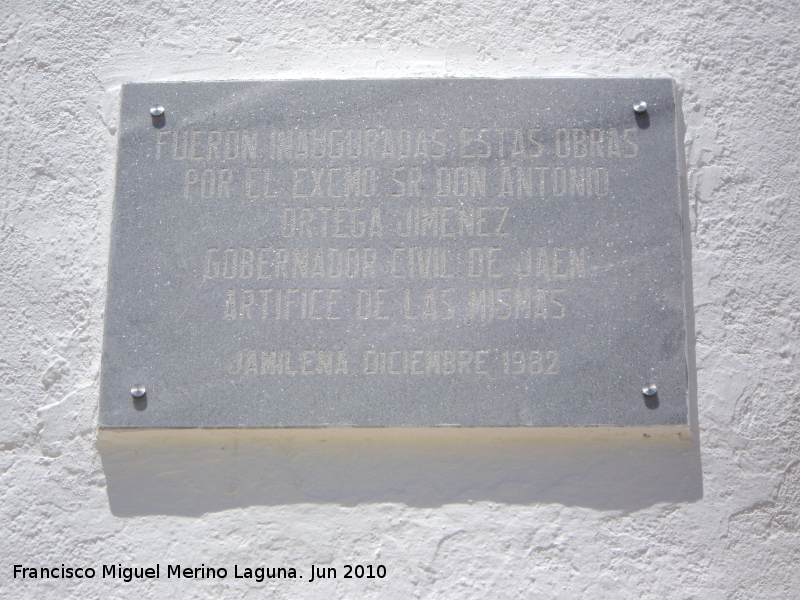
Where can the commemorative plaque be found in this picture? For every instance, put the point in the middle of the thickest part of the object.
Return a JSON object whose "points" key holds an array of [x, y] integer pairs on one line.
{"points": [[396, 253]]}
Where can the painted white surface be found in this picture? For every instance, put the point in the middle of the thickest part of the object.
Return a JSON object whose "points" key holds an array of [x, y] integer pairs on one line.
{"points": [[597, 515]]}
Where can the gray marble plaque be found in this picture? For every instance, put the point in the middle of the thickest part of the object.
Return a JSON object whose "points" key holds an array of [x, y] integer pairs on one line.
{"points": [[396, 253]]}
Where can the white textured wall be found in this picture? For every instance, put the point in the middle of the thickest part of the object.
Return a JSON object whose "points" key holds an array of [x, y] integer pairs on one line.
{"points": [[453, 515]]}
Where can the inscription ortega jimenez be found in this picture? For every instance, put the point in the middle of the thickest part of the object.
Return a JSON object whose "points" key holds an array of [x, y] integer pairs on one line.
{"points": [[396, 253]]}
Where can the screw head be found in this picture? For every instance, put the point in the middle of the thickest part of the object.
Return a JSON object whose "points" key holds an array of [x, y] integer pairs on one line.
{"points": [[138, 390], [640, 107], [156, 110], [650, 389]]}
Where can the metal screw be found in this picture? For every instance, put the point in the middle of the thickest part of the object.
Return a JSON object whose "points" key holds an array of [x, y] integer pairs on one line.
{"points": [[138, 390], [650, 389], [156, 110], [639, 107]]}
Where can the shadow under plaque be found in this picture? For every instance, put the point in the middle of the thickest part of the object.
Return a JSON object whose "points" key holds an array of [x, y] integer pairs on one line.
{"points": [[191, 472]]}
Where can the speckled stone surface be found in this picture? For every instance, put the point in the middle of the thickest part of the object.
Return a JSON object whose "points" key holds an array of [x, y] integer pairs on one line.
{"points": [[396, 253]]}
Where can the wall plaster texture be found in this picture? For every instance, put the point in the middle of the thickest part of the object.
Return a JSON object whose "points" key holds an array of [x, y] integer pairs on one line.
{"points": [[596, 514]]}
